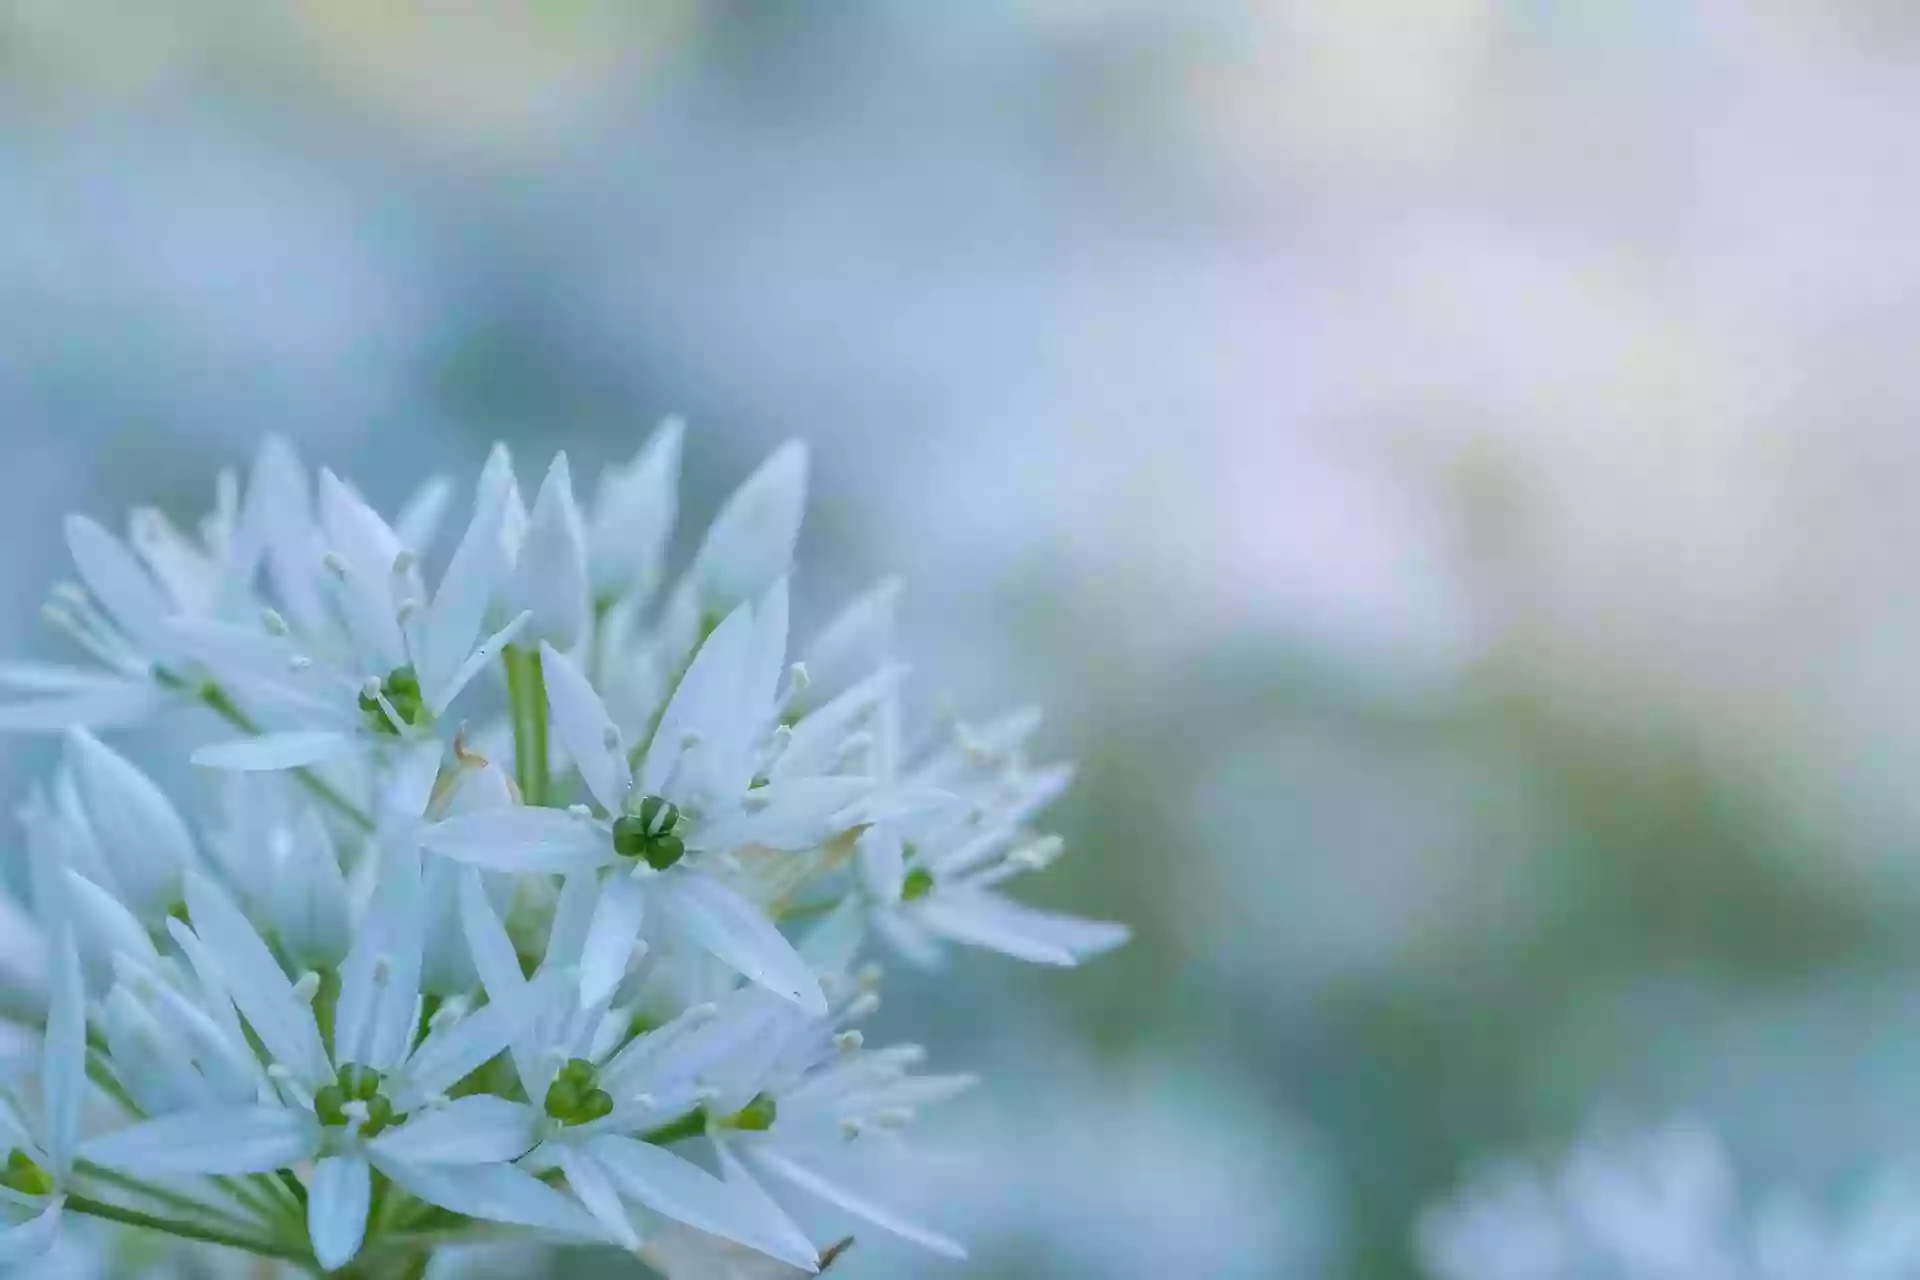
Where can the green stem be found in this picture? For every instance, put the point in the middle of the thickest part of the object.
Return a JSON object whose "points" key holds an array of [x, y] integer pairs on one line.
{"points": [[216, 700], [262, 1194], [160, 1195], [527, 692], [187, 1230]]}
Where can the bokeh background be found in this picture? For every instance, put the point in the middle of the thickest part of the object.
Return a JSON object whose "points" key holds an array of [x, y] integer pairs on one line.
{"points": [[1450, 466]]}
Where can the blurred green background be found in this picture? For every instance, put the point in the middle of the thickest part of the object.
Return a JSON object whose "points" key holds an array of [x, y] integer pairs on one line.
{"points": [[1448, 465]]}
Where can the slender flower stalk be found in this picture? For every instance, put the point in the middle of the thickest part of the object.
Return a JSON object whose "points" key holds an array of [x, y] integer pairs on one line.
{"points": [[534, 897]]}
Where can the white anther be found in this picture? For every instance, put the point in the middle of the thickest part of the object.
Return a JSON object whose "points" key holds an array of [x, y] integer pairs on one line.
{"points": [[800, 679], [848, 1041], [307, 988], [851, 1129], [299, 662], [370, 688], [336, 563], [864, 1005], [273, 622], [579, 811]]}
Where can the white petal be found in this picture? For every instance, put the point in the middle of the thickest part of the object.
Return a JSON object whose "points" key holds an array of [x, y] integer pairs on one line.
{"points": [[588, 732], [419, 520], [63, 1069], [739, 936], [481, 1129], [445, 969], [750, 542], [450, 1055], [23, 962], [279, 508], [550, 575], [846, 1201], [103, 926], [523, 839], [467, 588], [904, 934], [819, 737], [337, 1201], [116, 580], [219, 1054], [882, 862], [380, 978], [499, 966], [188, 579], [790, 1243], [572, 917], [262, 667], [611, 937], [858, 641], [32, 1238], [369, 551], [307, 894], [138, 828], [495, 1193], [686, 1193], [595, 1188], [987, 920], [703, 710], [105, 709], [271, 752], [795, 813], [485, 652], [764, 667], [227, 1140], [633, 515], [253, 978], [47, 677], [897, 804]]}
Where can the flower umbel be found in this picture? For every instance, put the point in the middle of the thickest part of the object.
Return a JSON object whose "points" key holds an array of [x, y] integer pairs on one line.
{"points": [[496, 926]]}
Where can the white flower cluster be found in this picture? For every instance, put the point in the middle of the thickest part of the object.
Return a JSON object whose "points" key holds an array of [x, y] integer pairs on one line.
{"points": [[1663, 1205], [531, 897]]}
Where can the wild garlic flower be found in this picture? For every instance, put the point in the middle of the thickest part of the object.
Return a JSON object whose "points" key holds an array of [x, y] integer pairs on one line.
{"points": [[1662, 1205], [492, 923]]}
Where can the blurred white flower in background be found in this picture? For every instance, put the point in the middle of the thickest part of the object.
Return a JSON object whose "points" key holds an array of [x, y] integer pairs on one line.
{"points": [[1663, 1205]]}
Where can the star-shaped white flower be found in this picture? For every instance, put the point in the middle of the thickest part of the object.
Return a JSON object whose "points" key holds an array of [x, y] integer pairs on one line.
{"points": [[405, 660], [665, 832], [376, 1101], [41, 1144]]}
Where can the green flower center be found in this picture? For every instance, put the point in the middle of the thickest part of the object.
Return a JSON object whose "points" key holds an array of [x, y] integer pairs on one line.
{"points": [[575, 1096], [26, 1177], [649, 833], [918, 884], [401, 689], [355, 1084]]}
